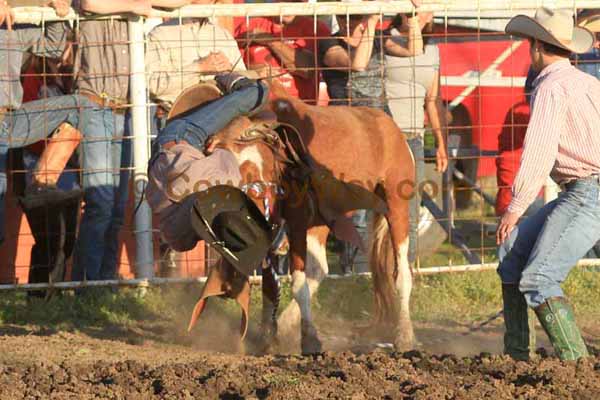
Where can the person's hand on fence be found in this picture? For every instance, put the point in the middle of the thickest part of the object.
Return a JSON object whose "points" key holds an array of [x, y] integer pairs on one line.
{"points": [[441, 159], [424, 18], [142, 8], [215, 62], [61, 7], [507, 224], [372, 19], [264, 70], [260, 37], [6, 15]]}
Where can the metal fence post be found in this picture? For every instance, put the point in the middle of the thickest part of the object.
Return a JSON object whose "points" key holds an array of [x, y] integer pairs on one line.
{"points": [[144, 262]]}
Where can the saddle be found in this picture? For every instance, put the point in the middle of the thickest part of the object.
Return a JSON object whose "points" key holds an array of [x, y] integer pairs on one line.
{"points": [[331, 199]]}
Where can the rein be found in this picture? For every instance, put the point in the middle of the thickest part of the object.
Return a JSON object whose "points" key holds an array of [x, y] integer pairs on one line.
{"points": [[278, 141], [280, 138]]}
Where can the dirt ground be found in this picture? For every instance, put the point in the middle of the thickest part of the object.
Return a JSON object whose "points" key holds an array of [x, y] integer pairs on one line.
{"points": [[155, 362]]}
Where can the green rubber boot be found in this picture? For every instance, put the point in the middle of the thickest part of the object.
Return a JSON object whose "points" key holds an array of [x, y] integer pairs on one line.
{"points": [[558, 320], [519, 338]]}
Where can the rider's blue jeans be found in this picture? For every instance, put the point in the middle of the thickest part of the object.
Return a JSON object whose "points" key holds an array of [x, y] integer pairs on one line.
{"points": [[197, 126]]}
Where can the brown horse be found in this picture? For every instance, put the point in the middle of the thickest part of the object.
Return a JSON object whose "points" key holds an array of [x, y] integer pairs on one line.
{"points": [[363, 146], [358, 145]]}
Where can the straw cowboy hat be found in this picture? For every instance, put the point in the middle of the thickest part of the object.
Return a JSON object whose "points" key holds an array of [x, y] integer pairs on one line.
{"points": [[201, 94], [590, 20], [554, 27]]}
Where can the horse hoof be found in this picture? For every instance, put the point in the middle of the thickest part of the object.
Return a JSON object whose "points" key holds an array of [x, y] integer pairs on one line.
{"points": [[404, 343], [270, 342], [240, 347], [310, 342], [311, 345]]}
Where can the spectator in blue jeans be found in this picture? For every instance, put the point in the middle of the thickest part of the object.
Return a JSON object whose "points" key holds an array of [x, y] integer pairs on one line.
{"points": [[102, 75]]}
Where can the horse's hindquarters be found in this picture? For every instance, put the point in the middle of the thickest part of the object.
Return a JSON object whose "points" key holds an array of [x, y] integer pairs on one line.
{"points": [[392, 281]]}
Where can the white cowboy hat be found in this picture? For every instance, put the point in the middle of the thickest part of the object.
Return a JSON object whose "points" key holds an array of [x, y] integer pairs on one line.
{"points": [[554, 27]]}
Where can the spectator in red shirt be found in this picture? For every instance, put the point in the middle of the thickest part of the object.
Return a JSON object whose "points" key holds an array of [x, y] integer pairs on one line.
{"points": [[510, 148], [286, 47]]}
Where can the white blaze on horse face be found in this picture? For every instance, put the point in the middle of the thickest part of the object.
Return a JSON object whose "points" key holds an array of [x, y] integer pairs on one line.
{"points": [[301, 294], [252, 155]]}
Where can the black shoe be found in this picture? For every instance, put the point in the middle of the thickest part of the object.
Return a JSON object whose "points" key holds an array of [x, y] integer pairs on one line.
{"points": [[46, 196]]}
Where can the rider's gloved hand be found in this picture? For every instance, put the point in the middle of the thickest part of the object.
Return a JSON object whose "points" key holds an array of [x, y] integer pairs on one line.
{"points": [[232, 81]]}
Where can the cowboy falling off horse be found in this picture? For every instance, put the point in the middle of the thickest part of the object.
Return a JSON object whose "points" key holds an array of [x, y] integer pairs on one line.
{"points": [[253, 136]]}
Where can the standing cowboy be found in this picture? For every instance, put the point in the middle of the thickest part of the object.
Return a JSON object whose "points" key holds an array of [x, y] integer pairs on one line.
{"points": [[561, 141]]}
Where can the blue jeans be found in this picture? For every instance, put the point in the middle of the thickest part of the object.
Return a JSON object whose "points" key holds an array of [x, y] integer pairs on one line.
{"points": [[122, 153], [105, 184], [541, 251], [35, 121], [416, 146], [197, 126]]}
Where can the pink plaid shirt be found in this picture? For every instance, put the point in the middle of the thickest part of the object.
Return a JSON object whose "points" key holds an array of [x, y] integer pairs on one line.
{"points": [[563, 136]]}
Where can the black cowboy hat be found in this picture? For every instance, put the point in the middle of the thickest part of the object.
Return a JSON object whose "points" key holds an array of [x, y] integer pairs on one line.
{"points": [[233, 225]]}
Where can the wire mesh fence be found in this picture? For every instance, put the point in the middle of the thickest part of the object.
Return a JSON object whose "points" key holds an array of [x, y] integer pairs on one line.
{"points": [[453, 81]]}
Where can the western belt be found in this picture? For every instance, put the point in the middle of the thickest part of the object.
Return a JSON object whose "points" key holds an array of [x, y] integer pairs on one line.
{"points": [[117, 108], [568, 185], [410, 135]]}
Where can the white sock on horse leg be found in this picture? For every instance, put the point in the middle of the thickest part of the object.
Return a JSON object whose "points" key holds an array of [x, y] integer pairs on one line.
{"points": [[404, 280], [405, 335], [316, 269], [316, 261], [301, 294]]}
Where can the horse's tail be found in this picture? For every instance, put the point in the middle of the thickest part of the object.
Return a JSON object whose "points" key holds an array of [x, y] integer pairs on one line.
{"points": [[382, 262]]}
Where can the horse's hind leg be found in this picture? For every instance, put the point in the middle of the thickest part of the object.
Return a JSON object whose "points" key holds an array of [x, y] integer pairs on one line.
{"points": [[399, 224]]}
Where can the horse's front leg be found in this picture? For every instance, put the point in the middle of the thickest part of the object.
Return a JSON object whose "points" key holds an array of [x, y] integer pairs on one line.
{"points": [[270, 301], [297, 223]]}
